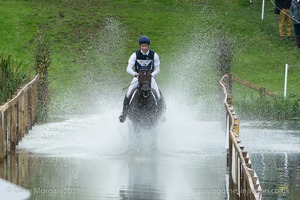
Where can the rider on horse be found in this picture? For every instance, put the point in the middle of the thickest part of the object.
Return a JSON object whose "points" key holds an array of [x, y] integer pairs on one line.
{"points": [[143, 59]]}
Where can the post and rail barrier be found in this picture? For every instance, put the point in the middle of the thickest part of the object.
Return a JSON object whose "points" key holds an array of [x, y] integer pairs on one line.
{"points": [[244, 181], [17, 116], [261, 90]]}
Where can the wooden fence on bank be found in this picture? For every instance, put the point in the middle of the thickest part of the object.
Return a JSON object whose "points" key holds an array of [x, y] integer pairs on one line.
{"points": [[261, 90], [244, 183], [17, 116]]}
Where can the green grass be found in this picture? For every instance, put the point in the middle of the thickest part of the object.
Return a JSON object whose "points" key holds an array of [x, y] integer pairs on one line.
{"points": [[87, 36]]}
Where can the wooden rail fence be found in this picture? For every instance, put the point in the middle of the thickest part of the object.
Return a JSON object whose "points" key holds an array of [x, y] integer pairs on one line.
{"points": [[17, 116], [244, 182], [262, 90]]}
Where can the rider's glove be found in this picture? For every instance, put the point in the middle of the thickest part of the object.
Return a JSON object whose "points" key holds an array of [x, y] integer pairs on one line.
{"points": [[136, 74]]}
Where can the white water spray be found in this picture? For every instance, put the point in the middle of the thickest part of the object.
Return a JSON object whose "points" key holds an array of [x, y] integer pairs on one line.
{"points": [[193, 114]]}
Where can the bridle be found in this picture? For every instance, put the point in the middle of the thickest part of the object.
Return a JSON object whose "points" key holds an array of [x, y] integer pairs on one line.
{"points": [[144, 82]]}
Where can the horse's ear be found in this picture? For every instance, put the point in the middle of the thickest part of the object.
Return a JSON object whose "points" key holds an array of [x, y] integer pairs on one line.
{"points": [[148, 75]]}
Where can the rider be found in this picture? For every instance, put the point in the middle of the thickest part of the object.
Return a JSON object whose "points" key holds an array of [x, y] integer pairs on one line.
{"points": [[146, 59]]}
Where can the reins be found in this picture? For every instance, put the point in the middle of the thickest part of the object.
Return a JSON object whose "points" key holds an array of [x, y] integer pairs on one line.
{"points": [[129, 85]]}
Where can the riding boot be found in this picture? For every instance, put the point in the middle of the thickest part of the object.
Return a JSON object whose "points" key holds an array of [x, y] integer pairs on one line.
{"points": [[162, 107], [297, 41], [123, 115]]}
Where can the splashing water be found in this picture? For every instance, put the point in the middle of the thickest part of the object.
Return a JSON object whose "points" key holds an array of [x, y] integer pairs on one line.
{"points": [[193, 114]]}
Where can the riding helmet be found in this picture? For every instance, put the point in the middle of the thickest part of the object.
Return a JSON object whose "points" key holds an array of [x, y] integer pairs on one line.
{"points": [[144, 40]]}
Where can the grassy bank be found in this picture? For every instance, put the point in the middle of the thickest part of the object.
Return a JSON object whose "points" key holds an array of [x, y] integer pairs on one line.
{"points": [[92, 40]]}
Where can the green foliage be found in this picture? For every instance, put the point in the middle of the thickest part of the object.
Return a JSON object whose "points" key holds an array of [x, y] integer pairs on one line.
{"points": [[42, 54], [12, 75], [267, 108]]}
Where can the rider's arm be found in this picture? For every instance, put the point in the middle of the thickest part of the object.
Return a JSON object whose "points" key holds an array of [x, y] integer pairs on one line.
{"points": [[131, 63], [156, 64]]}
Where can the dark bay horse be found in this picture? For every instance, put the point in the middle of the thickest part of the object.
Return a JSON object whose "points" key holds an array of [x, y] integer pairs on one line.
{"points": [[145, 110]]}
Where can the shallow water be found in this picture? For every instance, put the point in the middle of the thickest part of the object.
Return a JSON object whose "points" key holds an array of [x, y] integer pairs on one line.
{"points": [[90, 157], [274, 149]]}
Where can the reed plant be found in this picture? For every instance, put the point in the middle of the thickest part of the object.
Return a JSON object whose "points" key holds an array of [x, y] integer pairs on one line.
{"points": [[12, 75]]}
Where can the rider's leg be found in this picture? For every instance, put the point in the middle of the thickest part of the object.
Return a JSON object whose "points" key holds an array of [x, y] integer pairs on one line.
{"points": [[160, 101], [155, 87], [126, 101], [123, 115], [133, 85]]}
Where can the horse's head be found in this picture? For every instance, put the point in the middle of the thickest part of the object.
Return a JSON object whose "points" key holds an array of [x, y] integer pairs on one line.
{"points": [[144, 85]]}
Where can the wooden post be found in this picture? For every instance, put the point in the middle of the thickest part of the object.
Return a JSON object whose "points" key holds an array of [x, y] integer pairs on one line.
{"points": [[20, 119], [262, 91], [243, 185], [2, 169], [22, 115], [5, 135], [229, 89], [34, 101], [236, 126], [230, 155], [1, 137], [26, 112], [30, 123], [236, 169], [13, 127], [8, 114]]}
